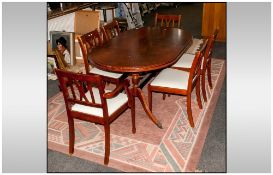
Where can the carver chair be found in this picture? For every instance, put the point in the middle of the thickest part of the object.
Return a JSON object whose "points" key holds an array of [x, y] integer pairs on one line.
{"points": [[110, 30], [167, 20], [175, 81], [86, 99], [186, 60], [88, 42]]}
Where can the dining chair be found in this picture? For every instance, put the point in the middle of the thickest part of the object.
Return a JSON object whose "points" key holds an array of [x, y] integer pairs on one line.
{"points": [[186, 60], [110, 30], [164, 20], [167, 20], [88, 42], [176, 81], [86, 99]]}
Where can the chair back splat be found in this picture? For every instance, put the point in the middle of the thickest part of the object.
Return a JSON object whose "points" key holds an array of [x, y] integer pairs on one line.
{"points": [[211, 42], [87, 42], [78, 89], [195, 70], [91, 41], [167, 20], [110, 30]]}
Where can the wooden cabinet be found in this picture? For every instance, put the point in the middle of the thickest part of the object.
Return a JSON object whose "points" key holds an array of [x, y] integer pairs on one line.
{"points": [[86, 21], [214, 16]]}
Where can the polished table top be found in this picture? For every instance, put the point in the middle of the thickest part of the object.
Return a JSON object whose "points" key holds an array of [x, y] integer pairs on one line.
{"points": [[142, 50]]}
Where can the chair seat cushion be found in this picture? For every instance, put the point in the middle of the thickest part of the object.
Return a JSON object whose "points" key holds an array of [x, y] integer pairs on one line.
{"points": [[172, 78], [113, 104], [105, 73], [185, 61], [196, 43], [76, 68]]}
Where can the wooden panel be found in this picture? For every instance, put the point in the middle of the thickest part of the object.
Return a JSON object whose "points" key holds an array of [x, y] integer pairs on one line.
{"points": [[214, 16], [86, 21]]}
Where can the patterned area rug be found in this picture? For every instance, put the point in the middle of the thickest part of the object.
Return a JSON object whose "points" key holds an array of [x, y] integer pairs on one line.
{"points": [[175, 148]]}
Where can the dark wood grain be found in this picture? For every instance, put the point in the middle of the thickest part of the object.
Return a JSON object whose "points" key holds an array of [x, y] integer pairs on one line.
{"points": [[142, 50]]}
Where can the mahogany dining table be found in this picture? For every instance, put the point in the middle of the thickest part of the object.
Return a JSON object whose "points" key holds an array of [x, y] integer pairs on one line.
{"points": [[141, 50]]}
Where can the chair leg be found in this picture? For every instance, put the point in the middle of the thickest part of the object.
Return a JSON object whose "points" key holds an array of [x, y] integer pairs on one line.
{"points": [[203, 84], [133, 113], [71, 135], [150, 97], [107, 143], [164, 96], [189, 112], [209, 74], [197, 90]]}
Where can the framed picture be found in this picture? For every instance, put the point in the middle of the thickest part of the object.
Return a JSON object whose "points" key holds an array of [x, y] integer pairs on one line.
{"points": [[70, 41], [51, 65]]}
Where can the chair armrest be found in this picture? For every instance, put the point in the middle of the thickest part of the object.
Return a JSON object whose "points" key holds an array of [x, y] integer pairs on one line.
{"points": [[122, 85]]}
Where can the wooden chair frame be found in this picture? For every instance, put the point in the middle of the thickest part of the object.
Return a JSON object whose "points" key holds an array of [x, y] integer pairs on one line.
{"points": [[206, 67], [193, 81], [165, 20], [88, 42], [110, 30], [72, 82]]}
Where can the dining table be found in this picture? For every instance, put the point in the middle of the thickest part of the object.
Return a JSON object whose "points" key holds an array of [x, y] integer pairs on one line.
{"points": [[140, 51]]}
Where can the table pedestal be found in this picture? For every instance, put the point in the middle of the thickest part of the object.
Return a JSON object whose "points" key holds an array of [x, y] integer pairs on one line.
{"points": [[137, 92]]}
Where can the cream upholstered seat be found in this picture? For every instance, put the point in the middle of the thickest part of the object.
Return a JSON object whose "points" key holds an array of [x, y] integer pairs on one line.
{"points": [[171, 78], [105, 73], [113, 103], [185, 61], [196, 43]]}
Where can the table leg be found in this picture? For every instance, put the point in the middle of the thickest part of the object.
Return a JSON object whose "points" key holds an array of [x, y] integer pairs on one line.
{"points": [[137, 92]]}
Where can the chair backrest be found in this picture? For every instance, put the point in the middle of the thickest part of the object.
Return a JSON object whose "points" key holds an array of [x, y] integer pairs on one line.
{"points": [[196, 65], [167, 20], [209, 48], [60, 60], [110, 30], [87, 42], [78, 89]]}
